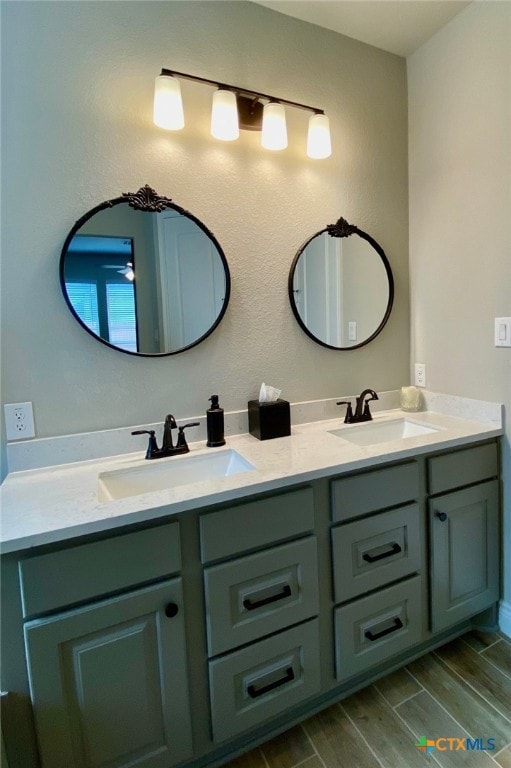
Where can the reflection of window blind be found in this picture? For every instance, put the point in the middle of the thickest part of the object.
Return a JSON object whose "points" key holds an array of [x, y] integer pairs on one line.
{"points": [[84, 298], [122, 329]]}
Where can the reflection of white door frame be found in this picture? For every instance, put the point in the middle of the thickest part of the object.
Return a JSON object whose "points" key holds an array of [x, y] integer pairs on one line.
{"points": [[171, 333], [191, 280], [324, 295], [333, 290], [299, 288], [340, 304]]}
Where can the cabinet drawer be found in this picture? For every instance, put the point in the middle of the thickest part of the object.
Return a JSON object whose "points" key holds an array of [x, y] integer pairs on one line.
{"points": [[370, 491], [256, 524], [370, 553], [250, 686], [89, 571], [374, 628], [262, 593], [452, 470]]}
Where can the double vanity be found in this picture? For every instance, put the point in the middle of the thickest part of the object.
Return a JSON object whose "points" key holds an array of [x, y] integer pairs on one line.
{"points": [[179, 612]]}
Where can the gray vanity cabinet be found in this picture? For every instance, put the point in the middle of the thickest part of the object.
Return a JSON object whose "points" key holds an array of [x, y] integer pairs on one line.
{"points": [[377, 627], [381, 544], [286, 602], [465, 566], [107, 662], [262, 635], [264, 679], [464, 534], [109, 683], [255, 595]]}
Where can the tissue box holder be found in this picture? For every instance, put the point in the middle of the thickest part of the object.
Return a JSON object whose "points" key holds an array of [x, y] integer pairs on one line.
{"points": [[269, 420]]}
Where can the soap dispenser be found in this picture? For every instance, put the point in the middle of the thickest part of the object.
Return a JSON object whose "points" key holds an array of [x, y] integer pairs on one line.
{"points": [[215, 424]]}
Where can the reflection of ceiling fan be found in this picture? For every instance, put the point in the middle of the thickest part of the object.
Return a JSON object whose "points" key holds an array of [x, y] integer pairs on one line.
{"points": [[127, 271]]}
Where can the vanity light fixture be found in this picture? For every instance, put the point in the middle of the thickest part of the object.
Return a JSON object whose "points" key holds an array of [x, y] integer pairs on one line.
{"points": [[274, 133], [224, 116], [168, 104], [234, 108]]}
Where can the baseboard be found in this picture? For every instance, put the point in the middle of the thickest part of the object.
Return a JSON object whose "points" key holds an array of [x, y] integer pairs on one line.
{"points": [[505, 618]]}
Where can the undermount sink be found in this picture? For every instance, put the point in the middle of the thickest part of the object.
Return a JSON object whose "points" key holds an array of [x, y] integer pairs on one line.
{"points": [[373, 432], [161, 474]]}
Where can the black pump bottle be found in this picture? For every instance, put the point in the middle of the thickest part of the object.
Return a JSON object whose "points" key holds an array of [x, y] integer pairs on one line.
{"points": [[215, 424]]}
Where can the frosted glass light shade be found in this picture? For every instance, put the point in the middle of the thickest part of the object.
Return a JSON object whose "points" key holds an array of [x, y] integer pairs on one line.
{"points": [[168, 105], [274, 134], [319, 144], [224, 116]]}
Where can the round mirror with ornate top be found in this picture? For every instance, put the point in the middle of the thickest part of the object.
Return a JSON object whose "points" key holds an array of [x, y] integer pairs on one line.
{"points": [[341, 287], [144, 276]]}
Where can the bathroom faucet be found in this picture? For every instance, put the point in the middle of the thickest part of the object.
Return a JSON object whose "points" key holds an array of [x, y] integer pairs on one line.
{"points": [[167, 447], [362, 412]]}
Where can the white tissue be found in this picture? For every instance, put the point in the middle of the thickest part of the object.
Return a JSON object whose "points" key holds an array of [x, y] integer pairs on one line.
{"points": [[268, 394]]}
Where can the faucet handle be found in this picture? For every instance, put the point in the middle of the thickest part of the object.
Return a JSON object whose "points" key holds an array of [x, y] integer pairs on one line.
{"points": [[349, 411], [181, 439], [152, 448]]}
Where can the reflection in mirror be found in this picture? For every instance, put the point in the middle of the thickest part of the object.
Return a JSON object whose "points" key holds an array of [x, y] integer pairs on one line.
{"points": [[341, 287], [144, 276]]}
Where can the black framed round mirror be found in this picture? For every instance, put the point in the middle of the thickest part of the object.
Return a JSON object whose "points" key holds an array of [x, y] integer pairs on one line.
{"points": [[144, 276], [341, 287]]}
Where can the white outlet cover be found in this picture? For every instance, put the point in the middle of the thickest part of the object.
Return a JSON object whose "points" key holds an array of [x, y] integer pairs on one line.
{"points": [[19, 421], [420, 374]]}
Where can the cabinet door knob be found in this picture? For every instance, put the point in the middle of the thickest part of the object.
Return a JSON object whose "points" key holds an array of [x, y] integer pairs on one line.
{"points": [[442, 516], [171, 610]]}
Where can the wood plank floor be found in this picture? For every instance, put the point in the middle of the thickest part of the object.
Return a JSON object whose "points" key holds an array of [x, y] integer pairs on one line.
{"points": [[463, 689]]}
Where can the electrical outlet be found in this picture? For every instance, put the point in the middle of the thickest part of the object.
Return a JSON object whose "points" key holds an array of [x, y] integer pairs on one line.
{"points": [[420, 374], [19, 421]]}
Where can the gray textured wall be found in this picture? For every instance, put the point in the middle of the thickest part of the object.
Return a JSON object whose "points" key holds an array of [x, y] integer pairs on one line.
{"points": [[77, 88], [460, 200]]}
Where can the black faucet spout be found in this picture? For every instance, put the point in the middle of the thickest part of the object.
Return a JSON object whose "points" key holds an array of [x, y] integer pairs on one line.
{"points": [[362, 412], [170, 424]]}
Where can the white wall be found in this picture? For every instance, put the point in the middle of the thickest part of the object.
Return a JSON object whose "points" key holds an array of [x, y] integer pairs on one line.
{"points": [[77, 88], [460, 208]]}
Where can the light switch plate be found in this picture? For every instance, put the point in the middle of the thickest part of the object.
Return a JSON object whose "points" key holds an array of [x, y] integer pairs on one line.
{"points": [[503, 331]]}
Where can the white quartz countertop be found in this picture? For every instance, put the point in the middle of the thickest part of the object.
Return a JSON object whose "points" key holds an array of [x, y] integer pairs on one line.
{"points": [[41, 506]]}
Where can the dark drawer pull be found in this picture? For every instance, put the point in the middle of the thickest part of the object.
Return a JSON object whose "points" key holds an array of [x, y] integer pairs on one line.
{"points": [[251, 605], [397, 625], [372, 559], [442, 516], [254, 692]]}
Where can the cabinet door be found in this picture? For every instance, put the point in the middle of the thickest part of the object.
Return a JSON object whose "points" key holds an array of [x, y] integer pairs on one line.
{"points": [[465, 556], [108, 682]]}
